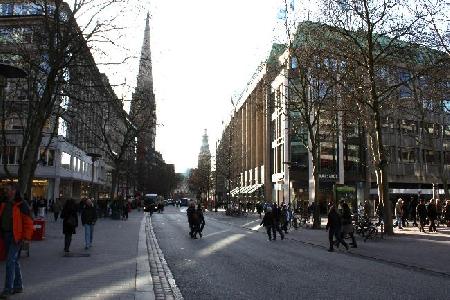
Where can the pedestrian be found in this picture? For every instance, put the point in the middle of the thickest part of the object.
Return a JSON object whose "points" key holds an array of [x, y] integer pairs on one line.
{"points": [[124, 210], [413, 211], [88, 219], [56, 209], [16, 225], [70, 222], [284, 215], [334, 228], [432, 215], [35, 206], [201, 220], [422, 214], [192, 220], [259, 209], [447, 213], [276, 213], [267, 222], [405, 210], [347, 226], [399, 212]]}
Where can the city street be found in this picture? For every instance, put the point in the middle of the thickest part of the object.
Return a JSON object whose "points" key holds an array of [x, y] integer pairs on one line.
{"points": [[235, 262]]}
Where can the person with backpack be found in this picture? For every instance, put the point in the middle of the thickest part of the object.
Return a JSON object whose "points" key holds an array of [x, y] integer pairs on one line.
{"points": [[16, 225]]}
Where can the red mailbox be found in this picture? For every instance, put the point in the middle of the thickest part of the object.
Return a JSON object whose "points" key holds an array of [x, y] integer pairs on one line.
{"points": [[39, 229]]}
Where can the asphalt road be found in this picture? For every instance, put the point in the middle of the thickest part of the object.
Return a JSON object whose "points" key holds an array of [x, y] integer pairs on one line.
{"points": [[233, 263]]}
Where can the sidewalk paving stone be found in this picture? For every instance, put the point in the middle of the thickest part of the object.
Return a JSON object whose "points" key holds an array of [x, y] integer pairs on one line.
{"points": [[108, 273]]}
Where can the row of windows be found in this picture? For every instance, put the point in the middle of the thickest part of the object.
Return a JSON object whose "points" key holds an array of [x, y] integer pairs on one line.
{"points": [[412, 127], [10, 155], [27, 9], [15, 34], [74, 163], [412, 155]]}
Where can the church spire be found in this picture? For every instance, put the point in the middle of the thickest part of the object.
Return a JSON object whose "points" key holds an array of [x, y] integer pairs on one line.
{"points": [[145, 76]]}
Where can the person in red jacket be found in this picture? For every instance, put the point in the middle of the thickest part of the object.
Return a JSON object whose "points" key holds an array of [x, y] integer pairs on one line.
{"points": [[16, 225]]}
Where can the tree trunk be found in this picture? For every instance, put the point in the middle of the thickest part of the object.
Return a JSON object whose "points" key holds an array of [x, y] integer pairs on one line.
{"points": [[28, 164], [114, 181], [316, 213]]}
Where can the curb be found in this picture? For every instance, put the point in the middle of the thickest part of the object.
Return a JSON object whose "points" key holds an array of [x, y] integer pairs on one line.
{"points": [[164, 286], [144, 281]]}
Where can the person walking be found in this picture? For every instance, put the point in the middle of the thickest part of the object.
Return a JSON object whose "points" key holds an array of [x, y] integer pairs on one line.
{"points": [[399, 212], [380, 213], [16, 225], [413, 210], [276, 222], [447, 213], [432, 215], [124, 210], [284, 218], [201, 220], [267, 222], [70, 222], [192, 220], [56, 209], [88, 219], [347, 226], [334, 228], [422, 214]]}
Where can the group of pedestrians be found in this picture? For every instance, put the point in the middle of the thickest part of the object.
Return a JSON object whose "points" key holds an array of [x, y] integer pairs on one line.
{"points": [[427, 213], [274, 220], [69, 215], [196, 220]]}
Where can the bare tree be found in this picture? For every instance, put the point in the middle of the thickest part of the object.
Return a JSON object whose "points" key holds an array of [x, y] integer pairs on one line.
{"points": [[53, 55], [370, 38]]}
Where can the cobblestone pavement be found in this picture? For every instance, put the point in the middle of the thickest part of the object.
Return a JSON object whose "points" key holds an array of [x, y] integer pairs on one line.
{"points": [[114, 269], [426, 252], [163, 283]]}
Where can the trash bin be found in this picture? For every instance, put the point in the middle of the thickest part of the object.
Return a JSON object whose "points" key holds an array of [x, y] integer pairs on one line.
{"points": [[39, 229]]}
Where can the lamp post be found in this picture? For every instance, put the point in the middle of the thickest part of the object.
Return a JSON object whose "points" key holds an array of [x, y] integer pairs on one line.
{"points": [[94, 157]]}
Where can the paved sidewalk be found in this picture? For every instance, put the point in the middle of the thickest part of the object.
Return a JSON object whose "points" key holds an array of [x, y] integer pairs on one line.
{"points": [[427, 252], [110, 272]]}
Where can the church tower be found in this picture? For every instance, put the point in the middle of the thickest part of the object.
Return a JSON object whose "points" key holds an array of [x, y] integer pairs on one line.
{"points": [[204, 157], [143, 106]]}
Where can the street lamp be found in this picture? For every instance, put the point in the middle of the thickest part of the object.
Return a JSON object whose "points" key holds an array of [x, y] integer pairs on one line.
{"points": [[94, 157]]}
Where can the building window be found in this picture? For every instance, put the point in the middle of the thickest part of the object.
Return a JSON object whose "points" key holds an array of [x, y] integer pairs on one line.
{"points": [[6, 9], [65, 160], [407, 155], [51, 158], [9, 155], [429, 156]]}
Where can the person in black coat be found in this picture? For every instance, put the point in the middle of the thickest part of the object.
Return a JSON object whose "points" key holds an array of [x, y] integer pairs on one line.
{"points": [[88, 219], [422, 214], [432, 215], [201, 220], [192, 220], [276, 213], [70, 222], [334, 228], [267, 222]]}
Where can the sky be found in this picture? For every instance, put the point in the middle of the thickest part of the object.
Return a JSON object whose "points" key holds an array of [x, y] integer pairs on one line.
{"points": [[203, 53]]}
